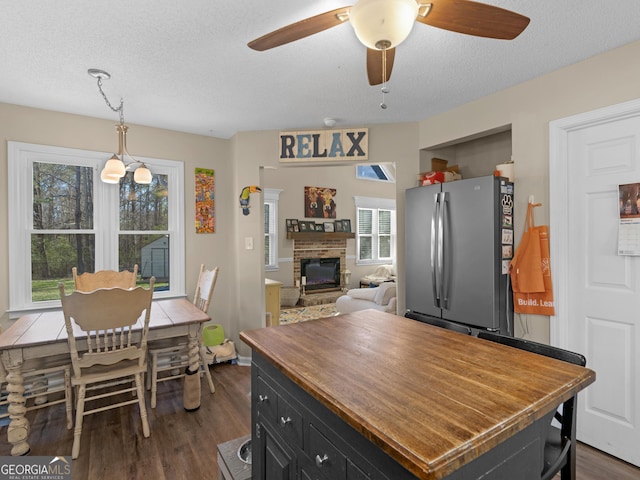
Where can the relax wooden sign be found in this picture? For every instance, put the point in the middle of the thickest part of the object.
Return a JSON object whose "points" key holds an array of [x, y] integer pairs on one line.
{"points": [[324, 145]]}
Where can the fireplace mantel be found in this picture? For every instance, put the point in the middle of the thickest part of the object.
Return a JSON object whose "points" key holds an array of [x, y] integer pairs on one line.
{"points": [[320, 235]]}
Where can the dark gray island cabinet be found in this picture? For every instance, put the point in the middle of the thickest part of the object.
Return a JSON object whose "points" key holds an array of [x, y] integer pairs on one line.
{"points": [[371, 395]]}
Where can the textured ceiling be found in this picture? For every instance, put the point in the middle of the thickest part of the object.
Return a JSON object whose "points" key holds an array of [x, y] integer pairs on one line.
{"points": [[185, 65]]}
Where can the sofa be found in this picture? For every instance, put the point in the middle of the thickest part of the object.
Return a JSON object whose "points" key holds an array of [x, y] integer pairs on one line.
{"points": [[381, 298]]}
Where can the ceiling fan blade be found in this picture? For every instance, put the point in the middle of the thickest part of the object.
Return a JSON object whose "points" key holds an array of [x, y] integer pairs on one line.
{"points": [[474, 18], [301, 29], [374, 65]]}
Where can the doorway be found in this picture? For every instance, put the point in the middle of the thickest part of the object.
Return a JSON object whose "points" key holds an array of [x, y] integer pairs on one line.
{"points": [[292, 180], [598, 291]]}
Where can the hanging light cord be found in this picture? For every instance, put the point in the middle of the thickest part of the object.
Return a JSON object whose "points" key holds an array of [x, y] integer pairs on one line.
{"points": [[384, 88]]}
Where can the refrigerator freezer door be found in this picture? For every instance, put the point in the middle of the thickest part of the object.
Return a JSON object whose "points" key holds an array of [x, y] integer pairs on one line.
{"points": [[471, 274], [420, 287]]}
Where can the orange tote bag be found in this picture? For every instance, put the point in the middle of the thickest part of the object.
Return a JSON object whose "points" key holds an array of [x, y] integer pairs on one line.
{"points": [[530, 270]]}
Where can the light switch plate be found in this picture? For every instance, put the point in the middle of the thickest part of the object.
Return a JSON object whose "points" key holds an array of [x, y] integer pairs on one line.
{"points": [[248, 243]]}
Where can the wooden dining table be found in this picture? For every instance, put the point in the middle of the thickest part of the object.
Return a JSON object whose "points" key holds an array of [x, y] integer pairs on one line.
{"points": [[37, 338]]}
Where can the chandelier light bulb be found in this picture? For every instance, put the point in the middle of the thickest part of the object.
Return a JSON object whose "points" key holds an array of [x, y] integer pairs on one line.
{"points": [[106, 178], [114, 168], [142, 175]]}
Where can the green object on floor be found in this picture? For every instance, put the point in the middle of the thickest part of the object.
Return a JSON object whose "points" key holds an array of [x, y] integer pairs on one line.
{"points": [[212, 335]]}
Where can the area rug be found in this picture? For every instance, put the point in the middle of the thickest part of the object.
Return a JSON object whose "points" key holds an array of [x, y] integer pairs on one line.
{"points": [[303, 314]]}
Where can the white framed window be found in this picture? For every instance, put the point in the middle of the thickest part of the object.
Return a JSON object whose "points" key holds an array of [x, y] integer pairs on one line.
{"points": [[62, 216], [271, 198], [381, 172], [375, 230]]}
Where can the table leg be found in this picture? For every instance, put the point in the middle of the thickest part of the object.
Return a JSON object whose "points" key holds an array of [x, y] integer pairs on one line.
{"points": [[191, 396], [18, 430]]}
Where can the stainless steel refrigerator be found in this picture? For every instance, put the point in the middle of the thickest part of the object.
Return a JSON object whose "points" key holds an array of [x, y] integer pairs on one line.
{"points": [[459, 241]]}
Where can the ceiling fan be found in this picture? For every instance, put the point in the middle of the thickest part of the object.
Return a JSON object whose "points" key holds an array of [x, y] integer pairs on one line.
{"points": [[381, 25]]}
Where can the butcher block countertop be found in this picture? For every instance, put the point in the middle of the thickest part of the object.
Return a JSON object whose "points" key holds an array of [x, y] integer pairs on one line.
{"points": [[432, 399]]}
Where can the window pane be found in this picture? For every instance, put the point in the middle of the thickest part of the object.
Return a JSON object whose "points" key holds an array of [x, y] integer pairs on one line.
{"points": [[373, 172], [52, 258], [267, 250], [62, 197], [384, 222], [144, 207], [151, 253], [267, 222], [365, 221], [384, 245], [365, 248]]}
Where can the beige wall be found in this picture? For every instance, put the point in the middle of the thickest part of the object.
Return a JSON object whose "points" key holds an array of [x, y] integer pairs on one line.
{"points": [[239, 299], [57, 129], [603, 80]]}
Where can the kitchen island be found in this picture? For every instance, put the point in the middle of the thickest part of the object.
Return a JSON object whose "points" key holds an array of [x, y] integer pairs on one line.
{"points": [[374, 395]]}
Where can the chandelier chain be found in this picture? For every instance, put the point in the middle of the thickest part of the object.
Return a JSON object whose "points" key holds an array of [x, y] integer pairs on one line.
{"points": [[119, 110]]}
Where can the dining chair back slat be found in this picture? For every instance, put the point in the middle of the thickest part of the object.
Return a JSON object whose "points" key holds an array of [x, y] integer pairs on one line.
{"points": [[87, 282]]}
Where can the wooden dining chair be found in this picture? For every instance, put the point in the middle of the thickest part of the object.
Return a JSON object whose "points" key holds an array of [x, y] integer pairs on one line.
{"points": [[560, 445], [168, 359], [87, 282], [107, 334]]}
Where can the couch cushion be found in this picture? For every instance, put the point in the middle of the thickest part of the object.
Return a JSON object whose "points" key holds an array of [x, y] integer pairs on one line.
{"points": [[385, 292], [363, 293]]}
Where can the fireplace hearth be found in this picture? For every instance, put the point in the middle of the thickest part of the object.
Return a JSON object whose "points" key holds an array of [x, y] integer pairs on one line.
{"points": [[320, 274]]}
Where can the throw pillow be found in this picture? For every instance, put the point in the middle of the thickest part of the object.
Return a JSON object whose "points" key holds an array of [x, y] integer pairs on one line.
{"points": [[386, 291]]}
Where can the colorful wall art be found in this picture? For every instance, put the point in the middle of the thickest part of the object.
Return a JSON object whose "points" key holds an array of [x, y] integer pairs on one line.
{"points": [[205, 201], [319, 202]]}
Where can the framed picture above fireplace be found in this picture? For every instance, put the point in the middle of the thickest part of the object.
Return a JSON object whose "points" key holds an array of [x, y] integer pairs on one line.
{"points": [[319, 202]]}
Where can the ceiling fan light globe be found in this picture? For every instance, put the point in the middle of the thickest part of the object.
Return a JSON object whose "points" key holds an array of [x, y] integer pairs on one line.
{"points": [[383, 22], [142, 175]]}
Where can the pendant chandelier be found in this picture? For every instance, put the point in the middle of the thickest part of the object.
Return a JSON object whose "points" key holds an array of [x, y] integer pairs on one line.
{"points": [[117, 166]]}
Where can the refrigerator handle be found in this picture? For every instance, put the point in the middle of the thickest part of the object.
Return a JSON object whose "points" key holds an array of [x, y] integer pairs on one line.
{"points": [[434, 237], [444, 291]]}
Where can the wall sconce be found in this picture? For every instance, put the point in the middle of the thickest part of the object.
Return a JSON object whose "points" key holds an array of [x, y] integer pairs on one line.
{"points": [[116, 167]]}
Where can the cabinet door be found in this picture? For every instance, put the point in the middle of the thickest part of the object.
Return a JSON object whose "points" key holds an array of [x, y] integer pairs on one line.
{"points": [[272, 461]]}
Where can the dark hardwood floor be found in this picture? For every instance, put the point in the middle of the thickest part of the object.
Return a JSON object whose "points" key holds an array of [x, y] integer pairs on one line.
{"points": [[183, 444]]}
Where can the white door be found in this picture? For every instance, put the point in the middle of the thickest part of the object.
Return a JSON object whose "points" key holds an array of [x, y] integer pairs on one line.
{"points": [[598, 290]]}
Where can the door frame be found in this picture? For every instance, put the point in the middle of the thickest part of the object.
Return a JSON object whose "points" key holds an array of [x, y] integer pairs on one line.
{"points": [[558, 195]]}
